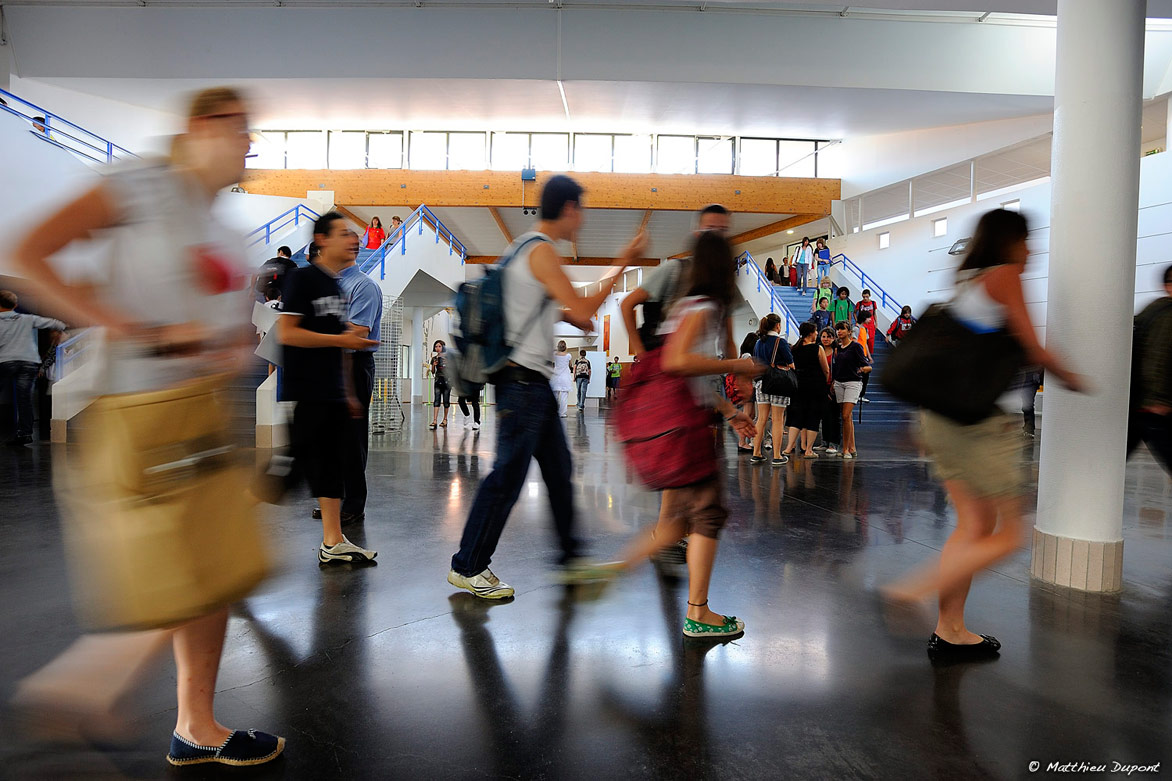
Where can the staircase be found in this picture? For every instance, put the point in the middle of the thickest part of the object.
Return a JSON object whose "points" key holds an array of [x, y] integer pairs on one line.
{"points": [[883, 407]]}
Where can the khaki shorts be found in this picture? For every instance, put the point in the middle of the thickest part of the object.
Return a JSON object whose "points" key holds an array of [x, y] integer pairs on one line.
{"points": [[985, 456]]}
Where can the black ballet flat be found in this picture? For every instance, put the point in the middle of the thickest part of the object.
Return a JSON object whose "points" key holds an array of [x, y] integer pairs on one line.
{"points": [[939, 648]]}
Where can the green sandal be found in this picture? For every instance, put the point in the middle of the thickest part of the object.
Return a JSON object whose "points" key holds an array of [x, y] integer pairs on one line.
{"points": [[732, 627]]}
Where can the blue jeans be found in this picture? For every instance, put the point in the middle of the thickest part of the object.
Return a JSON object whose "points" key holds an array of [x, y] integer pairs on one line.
{"points": [[528, 427], [23, 376], [823, 270], [583, 383], [803, 271]]}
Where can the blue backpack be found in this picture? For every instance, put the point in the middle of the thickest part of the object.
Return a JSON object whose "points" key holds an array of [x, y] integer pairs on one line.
{"points": [[481, 346]]}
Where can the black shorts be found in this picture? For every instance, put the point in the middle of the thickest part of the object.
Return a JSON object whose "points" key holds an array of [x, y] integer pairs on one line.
{"points": [[443, 395], [318, 438]]}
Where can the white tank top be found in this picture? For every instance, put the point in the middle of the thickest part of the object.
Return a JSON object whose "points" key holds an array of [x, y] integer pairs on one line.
{"points": [[973, 305], [532, 338]]}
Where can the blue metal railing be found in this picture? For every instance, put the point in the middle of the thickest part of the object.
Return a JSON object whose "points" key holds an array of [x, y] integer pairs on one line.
{"points": [[398, 238], [71, 352], [885, 299], [295, 215], [62, 133], [790, 323]]}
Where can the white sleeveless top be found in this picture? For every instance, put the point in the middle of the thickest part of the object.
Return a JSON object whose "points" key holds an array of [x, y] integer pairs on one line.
{"points": [[973, 305], [523, 295]]}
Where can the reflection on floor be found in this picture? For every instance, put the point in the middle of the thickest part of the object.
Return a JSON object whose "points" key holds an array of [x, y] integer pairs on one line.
{"points": [[388, 673]]}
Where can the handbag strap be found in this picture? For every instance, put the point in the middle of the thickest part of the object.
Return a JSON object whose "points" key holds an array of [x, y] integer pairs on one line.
{"points": [[773, 360]]}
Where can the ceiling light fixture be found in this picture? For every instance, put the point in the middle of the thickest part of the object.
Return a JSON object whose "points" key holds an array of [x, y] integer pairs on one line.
{"points": [[790, 232], [565, 103]]}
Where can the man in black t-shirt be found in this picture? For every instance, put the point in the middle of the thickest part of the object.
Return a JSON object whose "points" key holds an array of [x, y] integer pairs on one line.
{"points": [[314, 331]]}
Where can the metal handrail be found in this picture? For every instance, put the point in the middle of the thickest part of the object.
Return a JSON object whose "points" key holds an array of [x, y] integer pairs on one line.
{"points": [[293, 215], [867, 281], [69, 351], [398, 237], [775, 302], [57, 130]]}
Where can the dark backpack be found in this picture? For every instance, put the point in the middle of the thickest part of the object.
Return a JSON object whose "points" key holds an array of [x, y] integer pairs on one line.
{"points": [[479, 336], [655, 312], [275, 271]]}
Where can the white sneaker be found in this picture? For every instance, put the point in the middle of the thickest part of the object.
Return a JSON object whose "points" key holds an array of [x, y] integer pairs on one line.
{"points": [[831, 450], [467, 422], [485, 585], [476, 427], [344, 551]]}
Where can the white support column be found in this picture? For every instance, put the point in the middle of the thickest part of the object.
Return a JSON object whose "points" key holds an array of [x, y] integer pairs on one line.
{"points": [[1168, 127], [416, 356], [1078, 539]]}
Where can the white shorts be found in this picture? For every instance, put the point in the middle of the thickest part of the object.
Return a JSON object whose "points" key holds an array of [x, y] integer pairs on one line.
{"points": [[848, 392], [765, 398]]}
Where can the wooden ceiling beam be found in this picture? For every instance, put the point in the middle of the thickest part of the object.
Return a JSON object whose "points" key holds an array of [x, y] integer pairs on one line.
{"points": [[774, 227], [581, 261], [502, 189], [764, 230], [500, 223], [354, 218]]}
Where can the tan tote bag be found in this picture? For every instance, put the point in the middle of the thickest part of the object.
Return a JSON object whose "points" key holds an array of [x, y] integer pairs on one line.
{"points": [[165, 530]]}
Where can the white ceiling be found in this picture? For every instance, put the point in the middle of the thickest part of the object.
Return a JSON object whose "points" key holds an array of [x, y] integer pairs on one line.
{"points": [[961, 8]]}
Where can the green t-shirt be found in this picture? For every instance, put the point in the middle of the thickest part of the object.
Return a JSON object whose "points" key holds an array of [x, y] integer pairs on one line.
{"points": [[823, 292], [616, 370], [842, 308]]}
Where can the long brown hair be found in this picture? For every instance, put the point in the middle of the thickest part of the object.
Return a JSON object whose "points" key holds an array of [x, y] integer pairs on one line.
{"points": [[996, 232], [712, 270]]}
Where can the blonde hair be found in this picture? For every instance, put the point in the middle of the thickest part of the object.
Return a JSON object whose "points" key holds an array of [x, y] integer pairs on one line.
{"points": [[211, 101], [205, 103]]}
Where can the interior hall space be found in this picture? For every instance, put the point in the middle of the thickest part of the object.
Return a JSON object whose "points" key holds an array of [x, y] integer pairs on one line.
{"points": [[573, 389]]}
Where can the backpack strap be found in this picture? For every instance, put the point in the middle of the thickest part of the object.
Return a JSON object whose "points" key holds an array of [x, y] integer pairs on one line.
{"points": [[544, 298]]}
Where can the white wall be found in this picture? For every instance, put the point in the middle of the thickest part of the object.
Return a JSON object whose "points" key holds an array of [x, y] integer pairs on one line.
{"points": [[865, 163], [917, 270], [143, 131]]}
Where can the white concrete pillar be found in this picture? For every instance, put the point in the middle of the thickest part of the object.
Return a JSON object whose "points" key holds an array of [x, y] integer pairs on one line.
{"points": [[417, 354], [1168, 127], [1078, 538]]}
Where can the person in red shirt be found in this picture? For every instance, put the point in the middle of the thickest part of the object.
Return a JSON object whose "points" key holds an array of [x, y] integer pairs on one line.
{"points": [[901, 325], [375, 235], [868, 306]]}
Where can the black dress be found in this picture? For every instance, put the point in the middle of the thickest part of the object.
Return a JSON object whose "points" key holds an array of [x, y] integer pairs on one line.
{"points": [[807, 406]]}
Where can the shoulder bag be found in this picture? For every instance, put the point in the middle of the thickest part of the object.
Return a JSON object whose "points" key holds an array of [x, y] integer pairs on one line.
{"points": [[946, 367], [779, 382], [667, 437]]}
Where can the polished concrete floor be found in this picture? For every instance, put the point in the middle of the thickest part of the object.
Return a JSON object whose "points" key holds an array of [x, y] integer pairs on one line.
{"points": [[387, 672]]}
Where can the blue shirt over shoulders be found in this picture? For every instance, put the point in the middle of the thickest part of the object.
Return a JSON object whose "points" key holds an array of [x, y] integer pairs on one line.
{"points": [[364, 301]]}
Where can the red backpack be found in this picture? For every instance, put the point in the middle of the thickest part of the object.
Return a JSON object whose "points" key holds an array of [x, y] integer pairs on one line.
{"points": [[666, 436]]}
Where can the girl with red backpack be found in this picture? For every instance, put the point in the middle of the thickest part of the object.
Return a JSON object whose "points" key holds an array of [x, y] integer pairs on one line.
{"points": [[665, 421]]}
